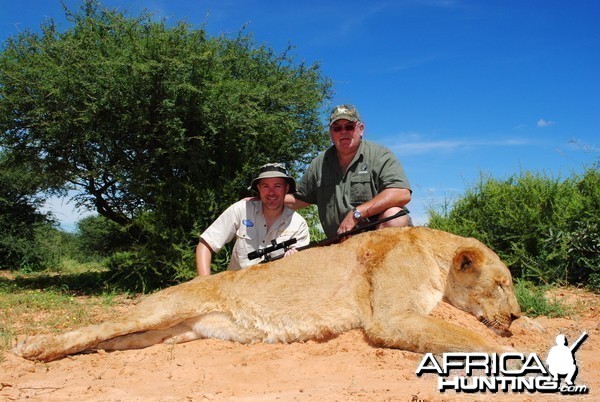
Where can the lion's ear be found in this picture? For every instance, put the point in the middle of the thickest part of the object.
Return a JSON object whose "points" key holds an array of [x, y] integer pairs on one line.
{"points": [[467, 259]]}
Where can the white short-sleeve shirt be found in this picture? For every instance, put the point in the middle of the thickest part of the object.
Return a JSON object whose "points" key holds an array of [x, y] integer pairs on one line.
{"points": [[245, 222]]}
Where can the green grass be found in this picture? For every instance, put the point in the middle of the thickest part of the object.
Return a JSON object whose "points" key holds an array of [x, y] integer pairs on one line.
{"points": [[52, 301], [534, 302]]}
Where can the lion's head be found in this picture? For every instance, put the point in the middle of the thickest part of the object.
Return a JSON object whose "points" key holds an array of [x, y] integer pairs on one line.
{"points": [[479, 283]]}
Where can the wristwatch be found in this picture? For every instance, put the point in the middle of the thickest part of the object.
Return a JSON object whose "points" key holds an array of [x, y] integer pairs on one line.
{"points": [[357, 214]]}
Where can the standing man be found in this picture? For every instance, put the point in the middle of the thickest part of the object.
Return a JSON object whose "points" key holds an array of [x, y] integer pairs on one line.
{"points": [[255, 222], [354, 180]]}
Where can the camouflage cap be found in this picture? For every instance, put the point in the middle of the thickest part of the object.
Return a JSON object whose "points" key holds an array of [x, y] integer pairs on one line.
{"points": [[346, 112]]}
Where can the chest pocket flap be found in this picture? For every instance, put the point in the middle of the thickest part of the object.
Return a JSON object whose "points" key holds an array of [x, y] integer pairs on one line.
{"points": [[360, 189]]}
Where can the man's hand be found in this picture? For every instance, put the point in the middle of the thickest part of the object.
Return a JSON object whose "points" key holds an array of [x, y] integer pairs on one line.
{"points": [[290, 252], [348, 223]]}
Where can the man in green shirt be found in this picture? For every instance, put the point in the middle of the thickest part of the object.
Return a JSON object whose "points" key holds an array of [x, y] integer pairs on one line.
{"points": [[354, 180]]}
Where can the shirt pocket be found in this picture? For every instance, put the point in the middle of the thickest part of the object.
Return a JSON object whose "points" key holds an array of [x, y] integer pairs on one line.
{"points": [[360, 189], [326, 193], [245, 240]]}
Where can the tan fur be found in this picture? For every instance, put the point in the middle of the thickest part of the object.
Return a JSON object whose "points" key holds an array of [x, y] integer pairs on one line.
{"points": [[385, 282]]}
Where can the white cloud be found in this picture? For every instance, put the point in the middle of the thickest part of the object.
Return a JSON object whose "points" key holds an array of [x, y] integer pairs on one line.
{"points": [[423, 147], [355, 20], [544, 123], [408, 64]]}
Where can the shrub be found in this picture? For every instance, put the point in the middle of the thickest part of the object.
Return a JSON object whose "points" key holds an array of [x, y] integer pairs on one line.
{"points": [[99, 237], [545, 229]]}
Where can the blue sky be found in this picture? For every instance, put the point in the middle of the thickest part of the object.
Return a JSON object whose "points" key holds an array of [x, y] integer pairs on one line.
{"points": [[455, 88]]}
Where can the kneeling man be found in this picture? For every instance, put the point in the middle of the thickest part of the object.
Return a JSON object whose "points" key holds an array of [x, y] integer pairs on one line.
{"points": [[255, 222]]}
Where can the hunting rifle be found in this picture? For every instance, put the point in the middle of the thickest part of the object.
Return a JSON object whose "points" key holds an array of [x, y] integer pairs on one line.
{"points": [[325, 242], [268, 250]]}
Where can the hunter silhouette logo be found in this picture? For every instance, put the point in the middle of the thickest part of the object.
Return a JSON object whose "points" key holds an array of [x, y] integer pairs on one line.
{"points": [[561, 358], [508, 372]]}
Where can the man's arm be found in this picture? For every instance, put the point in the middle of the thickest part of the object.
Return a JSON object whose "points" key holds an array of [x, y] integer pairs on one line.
{"points": [[203, 258], [292, 202], [386, 199], [217, 235]]}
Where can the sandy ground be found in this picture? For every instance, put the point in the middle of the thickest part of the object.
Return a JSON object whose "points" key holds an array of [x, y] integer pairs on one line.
{"points": [[345, 368]]}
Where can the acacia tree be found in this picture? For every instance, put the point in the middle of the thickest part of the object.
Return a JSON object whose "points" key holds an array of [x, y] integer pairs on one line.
{"points": [[150, 123]]}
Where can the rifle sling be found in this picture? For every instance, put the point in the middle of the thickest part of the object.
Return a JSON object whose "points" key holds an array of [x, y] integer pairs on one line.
{"points": [[333, 240], [351, 232]]}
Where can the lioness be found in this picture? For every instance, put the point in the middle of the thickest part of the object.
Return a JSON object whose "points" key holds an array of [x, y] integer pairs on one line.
{"points": [[385, 282]]}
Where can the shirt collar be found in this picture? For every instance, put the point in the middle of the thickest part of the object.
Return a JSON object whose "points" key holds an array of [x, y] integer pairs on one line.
{"points": [[331, 156], [285, 217]]}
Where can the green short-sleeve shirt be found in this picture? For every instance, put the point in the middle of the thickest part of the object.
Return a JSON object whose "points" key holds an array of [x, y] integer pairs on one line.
{"points": [[373, 169]]}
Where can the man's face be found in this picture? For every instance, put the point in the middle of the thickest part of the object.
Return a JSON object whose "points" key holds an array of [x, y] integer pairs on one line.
{"points": [[272, 191], [346, 135]]}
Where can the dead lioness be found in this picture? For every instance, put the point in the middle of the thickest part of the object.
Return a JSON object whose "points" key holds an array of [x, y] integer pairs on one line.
{"points": [[385, 282]]}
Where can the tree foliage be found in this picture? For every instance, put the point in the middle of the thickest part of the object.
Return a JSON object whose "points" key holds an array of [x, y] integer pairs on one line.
{"points": [[156, 127], [97, 238], [20, 221], [547, 230]]}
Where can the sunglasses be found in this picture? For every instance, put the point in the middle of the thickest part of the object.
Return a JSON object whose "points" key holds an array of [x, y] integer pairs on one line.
{"points": [[347, 127]]}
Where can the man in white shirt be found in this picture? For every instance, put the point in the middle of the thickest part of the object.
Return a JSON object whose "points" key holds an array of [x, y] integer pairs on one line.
{"points": [[255, 223]]}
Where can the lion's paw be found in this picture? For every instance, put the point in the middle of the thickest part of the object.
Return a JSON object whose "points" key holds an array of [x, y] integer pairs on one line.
{"points": [[31, 348]]}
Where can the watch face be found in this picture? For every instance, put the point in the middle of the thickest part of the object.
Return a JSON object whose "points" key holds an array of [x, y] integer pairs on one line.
{"points": [[357, 214]]}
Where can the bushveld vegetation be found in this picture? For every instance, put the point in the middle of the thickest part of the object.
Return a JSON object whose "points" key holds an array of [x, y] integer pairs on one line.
{"points": [[159, 128], [546, 229]]}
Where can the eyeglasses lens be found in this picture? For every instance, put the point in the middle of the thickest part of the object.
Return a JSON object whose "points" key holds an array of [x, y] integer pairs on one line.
{"points": [[347, 127]]}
